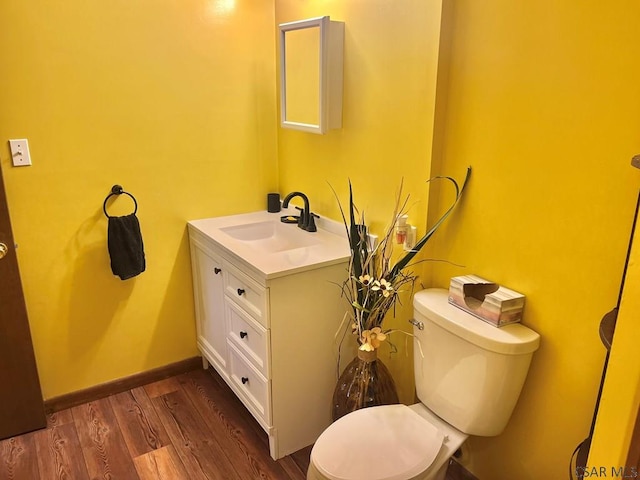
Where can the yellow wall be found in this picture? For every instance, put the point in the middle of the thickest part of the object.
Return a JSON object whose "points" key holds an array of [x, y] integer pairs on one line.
{"points": [[172, 99], [541, 99]]}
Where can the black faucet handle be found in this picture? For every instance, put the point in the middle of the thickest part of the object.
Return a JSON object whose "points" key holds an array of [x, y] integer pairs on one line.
{"points": [[301, 218], [311, 222]]}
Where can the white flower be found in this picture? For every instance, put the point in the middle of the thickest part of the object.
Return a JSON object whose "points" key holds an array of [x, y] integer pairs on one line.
{"points": [[385, 287], [371, 339]]}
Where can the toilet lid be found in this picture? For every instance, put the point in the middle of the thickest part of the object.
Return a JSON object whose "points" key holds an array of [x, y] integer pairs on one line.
{"points": [[389, 442]]}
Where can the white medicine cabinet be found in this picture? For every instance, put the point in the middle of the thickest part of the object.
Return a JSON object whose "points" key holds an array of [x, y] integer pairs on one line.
{"points": [[311, 65]]}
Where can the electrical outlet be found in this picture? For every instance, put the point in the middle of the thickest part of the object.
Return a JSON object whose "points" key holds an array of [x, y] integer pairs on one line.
{"points": [[20, 152], [372, 241]]}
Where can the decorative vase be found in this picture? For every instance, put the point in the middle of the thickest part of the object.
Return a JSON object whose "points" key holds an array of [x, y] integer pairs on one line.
{"points": [[365, 382]]}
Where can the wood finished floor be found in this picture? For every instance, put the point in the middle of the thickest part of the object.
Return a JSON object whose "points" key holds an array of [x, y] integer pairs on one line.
{"points": [[187, 427]]}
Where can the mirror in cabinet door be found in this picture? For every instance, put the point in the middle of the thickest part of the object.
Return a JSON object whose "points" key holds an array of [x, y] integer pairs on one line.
{"points": [[311, 68]]}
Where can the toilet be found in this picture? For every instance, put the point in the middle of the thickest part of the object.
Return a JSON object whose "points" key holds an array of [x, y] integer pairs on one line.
{"points": [[468, 375]]}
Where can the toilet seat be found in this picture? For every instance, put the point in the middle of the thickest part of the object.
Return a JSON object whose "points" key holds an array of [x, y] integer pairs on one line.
{"points": [[390, 442]]}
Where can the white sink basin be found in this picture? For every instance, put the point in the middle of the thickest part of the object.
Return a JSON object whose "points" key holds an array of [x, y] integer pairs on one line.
{"points": [[271, 236], [271, 248]]}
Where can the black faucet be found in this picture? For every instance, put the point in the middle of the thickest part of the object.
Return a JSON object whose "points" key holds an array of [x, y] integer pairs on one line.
{"points": [[306, 220]]}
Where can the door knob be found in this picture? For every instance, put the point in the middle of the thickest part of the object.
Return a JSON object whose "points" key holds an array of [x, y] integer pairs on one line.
{"points": [[3, 250]]}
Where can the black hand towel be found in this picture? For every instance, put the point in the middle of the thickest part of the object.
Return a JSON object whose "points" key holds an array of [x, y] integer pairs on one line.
{"points": [[125, 246]]}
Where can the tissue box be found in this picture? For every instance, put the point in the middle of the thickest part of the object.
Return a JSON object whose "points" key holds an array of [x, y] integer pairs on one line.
{"points": [[486, 300]]}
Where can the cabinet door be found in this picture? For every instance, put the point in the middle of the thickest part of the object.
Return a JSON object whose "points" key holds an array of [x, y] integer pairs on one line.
{"points": [[210, 317]]}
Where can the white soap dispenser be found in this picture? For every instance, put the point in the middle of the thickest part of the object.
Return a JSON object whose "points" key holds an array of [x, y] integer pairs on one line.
{"points": [[401, 229]]}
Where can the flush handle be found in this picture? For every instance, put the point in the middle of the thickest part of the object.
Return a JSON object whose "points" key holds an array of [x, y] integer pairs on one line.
{"points": [[416, 323]]}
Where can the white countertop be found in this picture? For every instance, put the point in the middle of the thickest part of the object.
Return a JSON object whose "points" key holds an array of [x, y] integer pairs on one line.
{"points": [[289, 250]]}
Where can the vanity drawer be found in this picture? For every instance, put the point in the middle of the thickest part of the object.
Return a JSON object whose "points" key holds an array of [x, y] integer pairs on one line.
{"points": [[247, 293], [251, 338], [251, 386]]}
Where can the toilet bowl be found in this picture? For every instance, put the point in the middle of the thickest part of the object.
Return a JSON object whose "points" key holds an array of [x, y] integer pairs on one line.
{"points": [[391, 442], [468, 374]]}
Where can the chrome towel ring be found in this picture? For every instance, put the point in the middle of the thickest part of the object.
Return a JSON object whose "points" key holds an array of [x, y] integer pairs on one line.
{"points": [[118, 190]]}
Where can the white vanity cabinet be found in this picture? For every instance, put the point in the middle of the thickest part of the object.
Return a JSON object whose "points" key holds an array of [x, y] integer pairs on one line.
{"points": [[270, 335]]}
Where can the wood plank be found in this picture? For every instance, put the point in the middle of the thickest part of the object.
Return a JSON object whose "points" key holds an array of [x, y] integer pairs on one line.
{"points": [[161, 464], [139, 423], [102, 443], [56, 419], [18, 458], [458, 472], [302, 458], [238, 439], [119, 385], [60, 454], [162, 387], [295, 468], [230, 401], [201, 455], [291, 468]]}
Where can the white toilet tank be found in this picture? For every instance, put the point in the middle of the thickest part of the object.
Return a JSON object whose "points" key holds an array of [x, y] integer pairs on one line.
{"points": [[467, 371]]}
